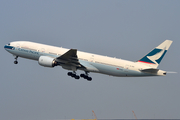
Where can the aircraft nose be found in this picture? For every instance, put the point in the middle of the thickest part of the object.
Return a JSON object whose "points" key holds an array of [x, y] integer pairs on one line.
{"points": [[5, 47], [8, 47]]}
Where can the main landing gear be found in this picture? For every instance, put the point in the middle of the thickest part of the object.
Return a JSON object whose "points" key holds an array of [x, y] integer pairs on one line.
{"points": [[85, 76], [16, 62], [73, 74]]}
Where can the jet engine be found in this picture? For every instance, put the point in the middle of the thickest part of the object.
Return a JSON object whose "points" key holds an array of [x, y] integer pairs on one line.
{"points": [[47, 61]]}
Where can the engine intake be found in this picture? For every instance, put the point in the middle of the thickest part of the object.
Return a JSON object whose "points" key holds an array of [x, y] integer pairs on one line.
{"points": [[47, 61]]}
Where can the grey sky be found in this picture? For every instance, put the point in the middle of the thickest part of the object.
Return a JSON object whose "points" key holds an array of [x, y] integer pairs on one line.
{"points": [[124, 29]]}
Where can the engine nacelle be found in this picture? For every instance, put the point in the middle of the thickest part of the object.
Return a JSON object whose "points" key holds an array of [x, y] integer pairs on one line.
{"points": [[47, 61]]}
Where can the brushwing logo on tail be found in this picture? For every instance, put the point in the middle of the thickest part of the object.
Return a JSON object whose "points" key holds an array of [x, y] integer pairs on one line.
{"points": [[154, 57], [157, 56]]}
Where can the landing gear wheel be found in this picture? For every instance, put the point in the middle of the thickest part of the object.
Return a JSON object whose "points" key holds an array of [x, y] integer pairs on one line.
{"points": [[73, 75], [77, 77], [15, 62], [82, 75], [85, 76], [89, 78], [69, 73]]}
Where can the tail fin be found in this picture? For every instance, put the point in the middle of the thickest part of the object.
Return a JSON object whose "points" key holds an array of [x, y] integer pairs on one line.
{"points": [[154, 57]]}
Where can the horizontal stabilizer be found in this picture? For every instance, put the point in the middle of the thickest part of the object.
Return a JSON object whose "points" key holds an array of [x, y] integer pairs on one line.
{"points": [[151, 70]]}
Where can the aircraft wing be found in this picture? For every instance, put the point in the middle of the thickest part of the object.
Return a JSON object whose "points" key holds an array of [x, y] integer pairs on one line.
{"points": [[69, 58]]}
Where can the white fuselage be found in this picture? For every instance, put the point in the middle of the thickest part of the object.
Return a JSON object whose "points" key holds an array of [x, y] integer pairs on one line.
{"points": [[97, 63]]}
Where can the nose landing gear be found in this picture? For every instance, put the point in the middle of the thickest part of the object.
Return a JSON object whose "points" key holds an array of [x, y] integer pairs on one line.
{"points": [[16, 62]]}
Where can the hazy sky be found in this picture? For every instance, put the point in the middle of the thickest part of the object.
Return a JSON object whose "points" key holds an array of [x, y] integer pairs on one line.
{"points": [[124, 29]]}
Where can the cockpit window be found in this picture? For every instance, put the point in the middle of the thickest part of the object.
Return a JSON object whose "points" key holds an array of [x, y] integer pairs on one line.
{"points": [[8, 43]]}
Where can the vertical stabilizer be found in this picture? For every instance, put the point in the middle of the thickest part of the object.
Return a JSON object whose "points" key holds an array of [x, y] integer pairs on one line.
{"points": [[154, 57]]}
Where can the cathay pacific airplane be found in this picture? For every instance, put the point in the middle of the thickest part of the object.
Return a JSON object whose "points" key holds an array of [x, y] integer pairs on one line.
{"points": [[73, 60]]}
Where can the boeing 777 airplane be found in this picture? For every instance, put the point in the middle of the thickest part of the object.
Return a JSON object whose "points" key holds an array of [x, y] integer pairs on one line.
{"points": [[73, 60]]}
